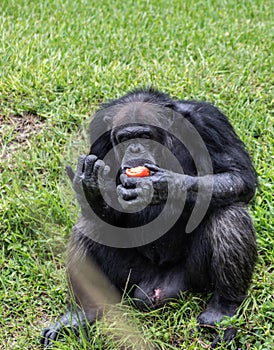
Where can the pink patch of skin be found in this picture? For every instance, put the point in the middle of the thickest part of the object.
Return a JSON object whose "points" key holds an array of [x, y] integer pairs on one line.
{"points": [[157, 293]]}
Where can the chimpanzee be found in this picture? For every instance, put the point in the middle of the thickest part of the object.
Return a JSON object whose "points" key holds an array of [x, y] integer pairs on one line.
{"points": [[185, 226]]}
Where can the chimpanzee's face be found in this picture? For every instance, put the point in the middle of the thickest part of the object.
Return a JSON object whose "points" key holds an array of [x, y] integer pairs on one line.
{"points": [[137, 137], [136, 145]]}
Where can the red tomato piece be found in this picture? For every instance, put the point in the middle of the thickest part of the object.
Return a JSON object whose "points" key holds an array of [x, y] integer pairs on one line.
{"points": [[139, 171]]}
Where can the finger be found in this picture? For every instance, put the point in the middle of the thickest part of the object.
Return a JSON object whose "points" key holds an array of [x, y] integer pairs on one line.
{"points": [[89, 162], [80, 165], [130, 194], [229, 334], [153, 167], [47, 337], [106, 170], [128, 181], [98, 168], [215, 342], [70, 172], [127, 194], [119, 190]]}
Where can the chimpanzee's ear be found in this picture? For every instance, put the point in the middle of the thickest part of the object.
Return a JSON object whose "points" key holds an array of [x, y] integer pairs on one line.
{"points": [[184, 108]]}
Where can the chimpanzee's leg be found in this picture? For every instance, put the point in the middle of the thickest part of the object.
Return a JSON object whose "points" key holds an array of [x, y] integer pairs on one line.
{"points": [[232, 240]]}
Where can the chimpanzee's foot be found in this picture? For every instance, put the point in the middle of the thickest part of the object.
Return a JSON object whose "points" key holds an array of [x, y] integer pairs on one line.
{"points": [[71, 320], [216, 310], [229, 334]]}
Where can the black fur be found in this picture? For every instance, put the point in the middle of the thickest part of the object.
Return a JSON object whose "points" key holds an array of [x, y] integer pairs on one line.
{"points": [[218, 256]]}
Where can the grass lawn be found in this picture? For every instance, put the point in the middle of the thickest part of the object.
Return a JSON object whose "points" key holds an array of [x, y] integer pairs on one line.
{"points": [[58, 61]]}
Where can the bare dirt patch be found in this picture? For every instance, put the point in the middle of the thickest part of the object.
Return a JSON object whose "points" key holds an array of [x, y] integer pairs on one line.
{"points": [[16, 130]]}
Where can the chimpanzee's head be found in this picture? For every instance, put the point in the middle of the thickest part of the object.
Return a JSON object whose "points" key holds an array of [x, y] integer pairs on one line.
{"points": [[136, 134]]}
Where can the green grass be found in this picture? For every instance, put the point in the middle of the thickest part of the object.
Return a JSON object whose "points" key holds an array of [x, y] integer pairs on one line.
{"points": [[58, 60]]}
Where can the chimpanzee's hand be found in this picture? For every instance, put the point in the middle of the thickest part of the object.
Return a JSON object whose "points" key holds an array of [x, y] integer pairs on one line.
{"points": [[134, 194], [88, 180], [168, 183], [92, 177], [153, 189]]}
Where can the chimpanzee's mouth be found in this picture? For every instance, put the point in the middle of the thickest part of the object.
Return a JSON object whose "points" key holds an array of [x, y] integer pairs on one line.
{"points": [[136, 162]]}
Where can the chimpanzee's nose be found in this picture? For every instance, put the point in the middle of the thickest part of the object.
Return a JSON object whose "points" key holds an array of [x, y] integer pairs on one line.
{"points": [[136, 148]]}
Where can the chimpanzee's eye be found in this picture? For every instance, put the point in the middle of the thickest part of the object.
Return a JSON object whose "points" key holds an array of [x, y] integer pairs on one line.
{"points": [[146, 136]]}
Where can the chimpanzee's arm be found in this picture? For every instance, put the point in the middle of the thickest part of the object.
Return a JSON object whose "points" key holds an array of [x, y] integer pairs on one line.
{"points": [[223, 188], [226, 187]]}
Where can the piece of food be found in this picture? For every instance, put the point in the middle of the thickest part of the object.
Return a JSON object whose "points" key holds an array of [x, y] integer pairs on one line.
{"points": [[139, 171]]}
